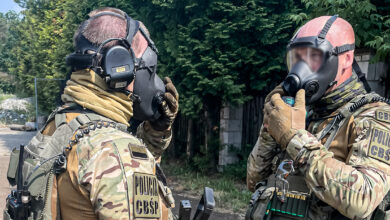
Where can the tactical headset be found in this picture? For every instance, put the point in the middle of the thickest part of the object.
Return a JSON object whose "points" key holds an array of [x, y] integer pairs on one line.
{"points": [[118, 66]]}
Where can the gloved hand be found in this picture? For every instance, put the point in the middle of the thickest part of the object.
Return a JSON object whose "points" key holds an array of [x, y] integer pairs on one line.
{"points": [[282, 120], [170, 106], [277, 89]]}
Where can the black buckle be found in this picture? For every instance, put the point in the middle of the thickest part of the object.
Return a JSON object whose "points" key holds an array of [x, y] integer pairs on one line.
{"points": [[343, 48]]}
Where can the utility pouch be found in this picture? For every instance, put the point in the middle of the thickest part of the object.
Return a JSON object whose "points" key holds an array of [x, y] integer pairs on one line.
{"points": [[259, 203], [13, 166], [296, 206]]}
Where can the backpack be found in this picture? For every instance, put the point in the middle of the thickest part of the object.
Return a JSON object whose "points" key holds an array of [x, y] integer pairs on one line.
{"points": [[45, 157]]}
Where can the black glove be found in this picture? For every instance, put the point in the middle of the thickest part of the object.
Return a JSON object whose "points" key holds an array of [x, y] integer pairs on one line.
{"points": [[170, 106]]}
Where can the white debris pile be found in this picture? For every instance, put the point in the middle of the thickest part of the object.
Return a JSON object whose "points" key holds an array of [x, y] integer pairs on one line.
{"points": [[16, 104], [15, 111]]}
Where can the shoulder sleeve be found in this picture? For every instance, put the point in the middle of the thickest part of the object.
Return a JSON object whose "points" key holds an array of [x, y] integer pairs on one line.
{"points": [[356, 187], [260, 160], [156, 141], [101, 175]]}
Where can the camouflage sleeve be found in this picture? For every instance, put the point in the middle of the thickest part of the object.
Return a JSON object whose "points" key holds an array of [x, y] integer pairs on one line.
{"points": [[100, 174], [259, 161], [156, 141], [354, 188]]}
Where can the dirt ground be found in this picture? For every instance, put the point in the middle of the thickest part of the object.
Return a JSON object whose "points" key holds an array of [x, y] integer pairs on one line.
{"points": [[10, 139]]}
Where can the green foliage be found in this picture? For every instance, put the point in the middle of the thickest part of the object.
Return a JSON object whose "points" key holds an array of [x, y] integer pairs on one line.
{"points": [[5, 96], [39, 39], [203, 164], [216, 51], [369, 19], [6, 87], [219, 51], [238, 169]]}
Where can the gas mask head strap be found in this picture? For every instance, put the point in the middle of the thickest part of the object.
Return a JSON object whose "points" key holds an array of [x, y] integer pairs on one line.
{"points": [[107, 13], [326, 27], [322, 36], [131, 30], [150, 42]]}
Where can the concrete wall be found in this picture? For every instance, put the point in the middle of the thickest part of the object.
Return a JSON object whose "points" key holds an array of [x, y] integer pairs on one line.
{"points": [[230, 133], [376, 73]]}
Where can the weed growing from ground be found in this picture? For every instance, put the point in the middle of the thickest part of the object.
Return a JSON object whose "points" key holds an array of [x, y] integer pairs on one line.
{"points": [[230, 193]]}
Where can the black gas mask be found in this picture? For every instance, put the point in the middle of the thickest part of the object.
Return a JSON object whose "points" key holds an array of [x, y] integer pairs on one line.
{"points": [[118, 66], [312, 63]]}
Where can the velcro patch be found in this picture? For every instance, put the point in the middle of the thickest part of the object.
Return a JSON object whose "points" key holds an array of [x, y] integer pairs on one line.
{"points": [[380, 145], [146, 201], [138, 152], [381, 115]]}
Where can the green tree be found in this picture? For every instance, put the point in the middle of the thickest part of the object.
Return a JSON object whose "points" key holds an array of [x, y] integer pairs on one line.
{"points": [[40, 40], [219, 51], [216, 52]]}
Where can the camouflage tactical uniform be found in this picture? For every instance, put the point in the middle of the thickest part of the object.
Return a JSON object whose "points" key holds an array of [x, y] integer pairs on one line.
{"points": [[112, 175], [352, 175]]}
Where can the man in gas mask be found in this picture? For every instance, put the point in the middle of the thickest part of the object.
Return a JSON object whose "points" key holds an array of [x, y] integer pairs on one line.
{"points": [[104, 171], [326, 154]]}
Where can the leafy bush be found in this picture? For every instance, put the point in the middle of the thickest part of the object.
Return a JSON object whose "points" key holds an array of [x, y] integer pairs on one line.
{"points": [[7, 87], [203, 164], [238, 170]]}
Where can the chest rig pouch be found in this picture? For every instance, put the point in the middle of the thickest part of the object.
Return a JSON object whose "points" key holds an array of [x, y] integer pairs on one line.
{"points": [[44, 157], [277, 199]]}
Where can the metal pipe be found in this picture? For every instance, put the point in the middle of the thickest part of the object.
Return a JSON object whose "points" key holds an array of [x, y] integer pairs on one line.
{"points": [[36, 103]]}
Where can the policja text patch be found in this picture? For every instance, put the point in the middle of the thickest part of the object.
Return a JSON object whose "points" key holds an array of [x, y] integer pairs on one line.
{"points": [[380, 145], [146, 200]]}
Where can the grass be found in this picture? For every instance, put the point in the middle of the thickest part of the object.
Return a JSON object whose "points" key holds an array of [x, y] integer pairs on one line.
{"points": [[6, 96], [230, 193]]}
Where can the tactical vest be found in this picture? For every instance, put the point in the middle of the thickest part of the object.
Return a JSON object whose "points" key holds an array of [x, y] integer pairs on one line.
{"points": [[264, 203], [45, 157]]}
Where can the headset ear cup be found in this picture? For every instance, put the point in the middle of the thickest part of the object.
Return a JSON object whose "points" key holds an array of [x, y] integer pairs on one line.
{"points": [[118, 65]]}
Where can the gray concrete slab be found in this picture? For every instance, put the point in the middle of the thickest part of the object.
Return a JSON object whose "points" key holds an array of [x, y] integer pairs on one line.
{"points": [[10, 139]]}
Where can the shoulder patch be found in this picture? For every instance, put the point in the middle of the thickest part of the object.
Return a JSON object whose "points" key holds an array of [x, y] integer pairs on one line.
{"points": [[146, 201], [138, 151], [380, 145], [382, 115]]}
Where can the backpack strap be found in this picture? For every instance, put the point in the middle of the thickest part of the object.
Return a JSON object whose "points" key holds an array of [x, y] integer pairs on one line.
{"points": [[58, 115], [349, 109], [361, 75]]}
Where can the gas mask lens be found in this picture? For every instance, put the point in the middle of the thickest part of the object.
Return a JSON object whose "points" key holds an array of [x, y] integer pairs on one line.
{"points": [[311, 56]]}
